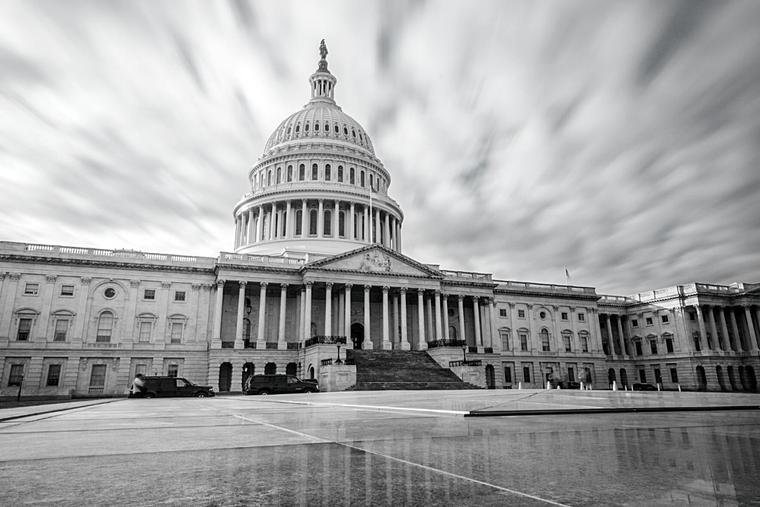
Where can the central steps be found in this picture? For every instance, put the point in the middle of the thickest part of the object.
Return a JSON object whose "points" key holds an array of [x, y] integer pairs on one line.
{"points": [[378, 370]]}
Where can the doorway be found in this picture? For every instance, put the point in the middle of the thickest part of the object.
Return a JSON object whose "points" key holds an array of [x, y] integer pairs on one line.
{"points": [[490, 377], [225, 377], [701, 379], [357, 335]]}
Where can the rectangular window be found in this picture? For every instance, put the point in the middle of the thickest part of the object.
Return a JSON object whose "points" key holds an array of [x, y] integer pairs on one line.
{"points": [[526, 374], [145, 331], [692, 316], [653, 345], [634, 323], [545, 342], [508, 374], [649, 321], [564, 315], [571, 374], [523, 342], [505, 340], [669, 345], [17, 375], [141, 368], [566, 338], [674, 375], [639, 350], [584, 344], [67, 290], [172, 370], [642, 375], [61, 326], [664, 319], [179, 295], [54, 375], [657, 376], [581, 317], [97, 378], [697, 345], [520, 314], [502, 312], [24, 328], [149, 294], [176, 332], [31, 289]]}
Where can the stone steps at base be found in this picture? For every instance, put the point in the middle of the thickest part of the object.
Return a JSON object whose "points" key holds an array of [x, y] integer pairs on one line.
{"points": [[411, 386]]}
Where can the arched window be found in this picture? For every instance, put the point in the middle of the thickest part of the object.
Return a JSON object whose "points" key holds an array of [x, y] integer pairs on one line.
{"points": [[337, 130], [105, 327], [298, 128], [371, 180], [583, 336], [340, 174], [342, 223], [361, 178], [269, 177], [290, 173], [504, 334], [270, 369], [327, 128], [327, 222], [544, 334], [353, 132], [299, 218], [316, 127], [279, 175], [314, 171], [301, 172], [567, 340], [313, 222], [351, 178], [327, 172], [306, 127], [345, 131]]}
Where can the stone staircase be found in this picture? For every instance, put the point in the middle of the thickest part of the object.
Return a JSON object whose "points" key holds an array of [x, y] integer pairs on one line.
{"points": [[381, 370]]}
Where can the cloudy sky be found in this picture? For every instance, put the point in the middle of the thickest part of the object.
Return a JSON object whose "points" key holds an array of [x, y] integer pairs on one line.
{"points": [[621, 139]]}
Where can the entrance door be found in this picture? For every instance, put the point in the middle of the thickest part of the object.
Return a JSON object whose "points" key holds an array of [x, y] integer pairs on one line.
{"points": [[490, 377], [701, 379], [225, 376], [357, 335]]}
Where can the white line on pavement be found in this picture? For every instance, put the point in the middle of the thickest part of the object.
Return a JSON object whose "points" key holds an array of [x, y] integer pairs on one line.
{"points": [[374, 407]]}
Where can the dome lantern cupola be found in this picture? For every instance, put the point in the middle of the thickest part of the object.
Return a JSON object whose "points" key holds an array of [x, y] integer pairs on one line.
{"points": [[322, 82]]}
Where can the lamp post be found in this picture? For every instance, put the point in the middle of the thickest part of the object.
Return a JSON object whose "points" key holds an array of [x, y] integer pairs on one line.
{"points": [[464, 354], [21, 381], [338, 361]]}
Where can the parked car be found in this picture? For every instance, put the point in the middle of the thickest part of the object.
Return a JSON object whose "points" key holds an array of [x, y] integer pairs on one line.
{"points": [[162, 386], [644, 387], [570, 384], [279, 383]]}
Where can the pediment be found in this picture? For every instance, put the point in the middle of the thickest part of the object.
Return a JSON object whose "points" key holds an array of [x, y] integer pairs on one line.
{"points": [[375, 260]]}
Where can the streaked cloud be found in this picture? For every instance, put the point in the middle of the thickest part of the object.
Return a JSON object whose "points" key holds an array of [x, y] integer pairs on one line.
{"points": [[619, 138]]}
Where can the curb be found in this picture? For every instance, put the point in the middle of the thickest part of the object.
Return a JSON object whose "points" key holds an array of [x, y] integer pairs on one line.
{"points": [[52, 411], [610, 410]]}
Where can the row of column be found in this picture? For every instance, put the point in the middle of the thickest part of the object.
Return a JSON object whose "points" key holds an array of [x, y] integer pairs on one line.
{"points": [[432, 316], [723, 340], [268, 222]]}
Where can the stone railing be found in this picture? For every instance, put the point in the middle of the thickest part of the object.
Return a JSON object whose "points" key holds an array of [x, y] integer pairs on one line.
{"points": [[316, 340], [474, 362], [466, 275], [446, 343], [117, 255], [607, 299], [544, 288], [259, 260], [321, 187]]}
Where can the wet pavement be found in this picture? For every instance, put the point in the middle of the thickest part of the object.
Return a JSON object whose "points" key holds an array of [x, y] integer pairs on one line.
{"points": [[380, 448]]}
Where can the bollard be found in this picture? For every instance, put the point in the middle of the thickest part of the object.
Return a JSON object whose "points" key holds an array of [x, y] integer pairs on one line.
{"points": [[583, 387], [614, 385], [659, 386], [679, 388], [519, 385], [548, 385]]}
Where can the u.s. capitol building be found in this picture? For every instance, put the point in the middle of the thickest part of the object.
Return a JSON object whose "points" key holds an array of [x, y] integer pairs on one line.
{"points": [[317, 262]]}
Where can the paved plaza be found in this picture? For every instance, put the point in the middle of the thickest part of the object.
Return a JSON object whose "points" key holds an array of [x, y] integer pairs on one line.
{"points": [[381, 448]]}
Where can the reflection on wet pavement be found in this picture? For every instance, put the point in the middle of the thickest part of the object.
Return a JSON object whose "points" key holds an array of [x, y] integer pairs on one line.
{"points": [[248, 451]]}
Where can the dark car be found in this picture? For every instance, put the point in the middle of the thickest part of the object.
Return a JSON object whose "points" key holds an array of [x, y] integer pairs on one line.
{"points": [[277, 384], [644, 387], [160, 387], [569, 384]]}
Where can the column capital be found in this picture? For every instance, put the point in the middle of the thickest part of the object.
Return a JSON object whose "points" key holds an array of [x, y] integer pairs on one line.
{"points": [[283, 285], [349, 285], [747, 305], [51, 278], [421, 290], [308, 283], [242, 284], [460, 297], [85, 280], [329, 285], [386, 288], [165, 284], [367, 288], [134, 283], [220, 283], [402, 290], [263, 284]]}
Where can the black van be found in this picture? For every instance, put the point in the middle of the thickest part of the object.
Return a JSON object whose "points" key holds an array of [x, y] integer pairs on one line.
{"points": [[172, 386], [277, 384]]}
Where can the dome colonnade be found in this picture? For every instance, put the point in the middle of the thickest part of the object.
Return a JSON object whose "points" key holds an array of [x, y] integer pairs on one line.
{"points": [[318, 188]]}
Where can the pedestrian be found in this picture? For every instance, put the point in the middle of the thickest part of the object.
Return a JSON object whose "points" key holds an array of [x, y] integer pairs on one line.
{"points": [[138, 386]]}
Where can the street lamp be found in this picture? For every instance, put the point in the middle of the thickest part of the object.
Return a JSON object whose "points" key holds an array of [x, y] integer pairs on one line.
{"points": [[464, 354], [338, 361]]}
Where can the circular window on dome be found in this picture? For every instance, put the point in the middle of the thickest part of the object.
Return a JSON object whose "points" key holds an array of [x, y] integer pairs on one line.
{"points": [[109, 293], [542, 315], [316, 127]]}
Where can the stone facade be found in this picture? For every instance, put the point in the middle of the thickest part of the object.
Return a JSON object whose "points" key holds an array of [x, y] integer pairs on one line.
{"points": [[318, 264]]}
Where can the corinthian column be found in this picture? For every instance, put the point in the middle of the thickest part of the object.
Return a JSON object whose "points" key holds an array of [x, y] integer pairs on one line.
{"points": [[386, 335], [240, 310], [347, 317], [307, 312], [421, 341], [476, 314], [438, 327], [328, 309], [367, 345], [260, 338], [752, 336], [281, 328], [404, 338], [217, 336], [460, 308]]}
